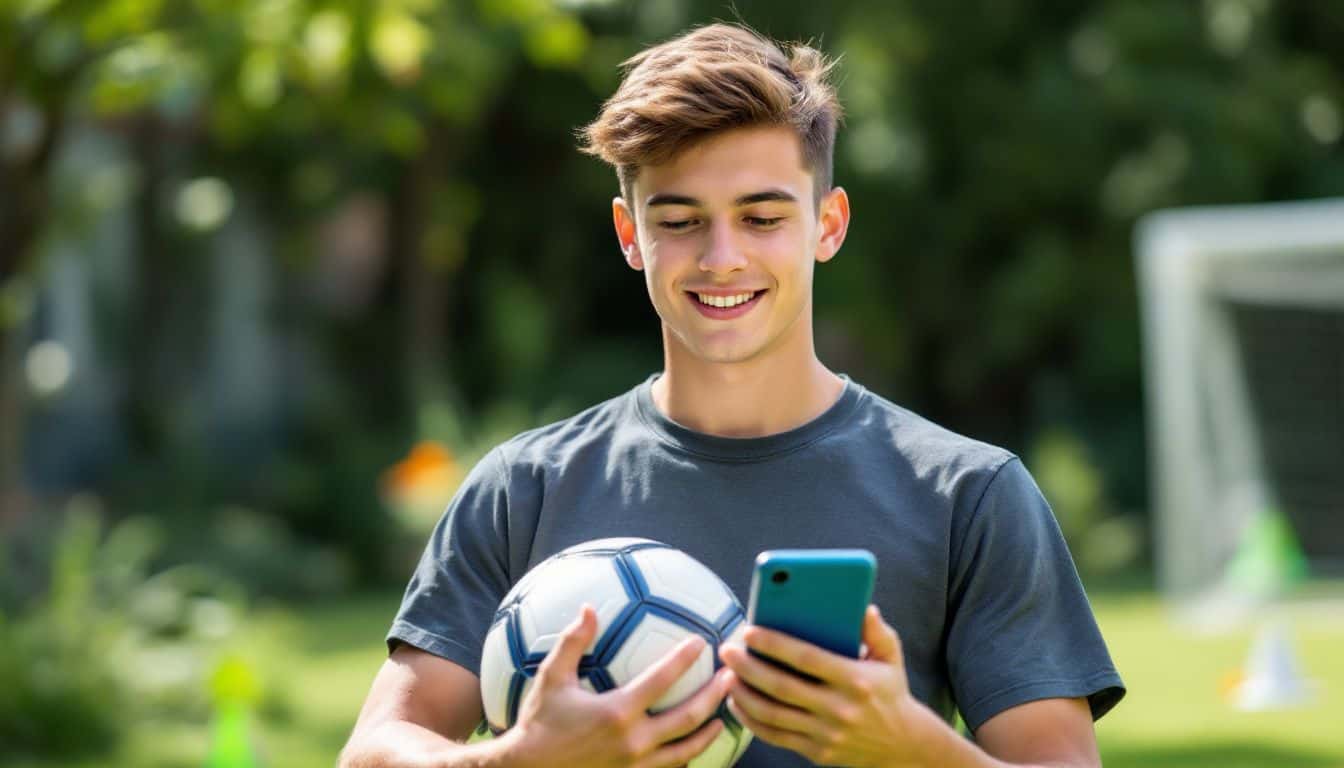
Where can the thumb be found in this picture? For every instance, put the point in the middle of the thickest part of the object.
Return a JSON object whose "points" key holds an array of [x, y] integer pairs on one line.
{"points": [[882, 641], [561, 665]]}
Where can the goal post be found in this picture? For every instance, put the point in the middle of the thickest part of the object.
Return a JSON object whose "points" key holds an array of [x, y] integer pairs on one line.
{"points": [[1243, 329]]}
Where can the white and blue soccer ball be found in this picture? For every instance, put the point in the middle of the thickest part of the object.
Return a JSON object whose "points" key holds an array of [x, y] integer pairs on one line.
{"points": [[648, 598]]}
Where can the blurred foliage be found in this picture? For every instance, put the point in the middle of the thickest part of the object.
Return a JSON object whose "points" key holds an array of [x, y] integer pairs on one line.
{"points": [[431, 260], [101, 639], [1069, 480], [53, 671], [1102, 542]]}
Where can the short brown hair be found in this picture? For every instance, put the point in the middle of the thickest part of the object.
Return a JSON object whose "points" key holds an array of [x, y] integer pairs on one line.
{"points": [[711, 79]]}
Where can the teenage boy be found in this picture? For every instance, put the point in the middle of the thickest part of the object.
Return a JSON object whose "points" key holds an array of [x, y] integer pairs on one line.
{"points": [[745, 441]]}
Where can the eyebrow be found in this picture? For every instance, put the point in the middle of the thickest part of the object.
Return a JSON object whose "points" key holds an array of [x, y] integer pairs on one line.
{"points": [[767, 196]]}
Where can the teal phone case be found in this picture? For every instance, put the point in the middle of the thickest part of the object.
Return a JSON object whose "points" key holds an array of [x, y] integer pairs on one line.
{"points": [[818, 595]]}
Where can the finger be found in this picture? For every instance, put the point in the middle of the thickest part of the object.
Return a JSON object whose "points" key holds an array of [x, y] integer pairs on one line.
{"points": [[780, 737], [692, 713], [765, 710], [775, 682], [561, 665], [683, 751], [831, 668], [653, 682], [881, 638]]}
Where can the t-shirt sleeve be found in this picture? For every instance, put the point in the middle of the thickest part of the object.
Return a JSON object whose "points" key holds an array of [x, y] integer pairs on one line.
{"points": [[462, 574], [1020, 626]]}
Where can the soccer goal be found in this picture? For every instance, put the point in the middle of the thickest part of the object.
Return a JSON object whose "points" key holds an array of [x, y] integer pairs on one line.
{"points": [[1243, 327]]}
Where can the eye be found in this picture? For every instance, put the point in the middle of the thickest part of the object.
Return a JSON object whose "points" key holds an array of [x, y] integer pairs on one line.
{"points": [[676, 226], [763, 222]]}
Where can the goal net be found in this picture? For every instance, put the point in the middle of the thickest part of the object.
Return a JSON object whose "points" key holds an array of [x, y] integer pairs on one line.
{"points": [[1243, 321]]}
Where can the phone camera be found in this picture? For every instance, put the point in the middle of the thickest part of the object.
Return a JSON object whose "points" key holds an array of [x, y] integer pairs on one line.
{"points": [[779, 577]]}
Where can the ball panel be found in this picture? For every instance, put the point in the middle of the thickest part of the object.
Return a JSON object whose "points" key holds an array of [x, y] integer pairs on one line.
{"points": [[743, 738], [651, 638], [723, 751], [497, 671], [741, 734], [558, 592], [674, 576]]}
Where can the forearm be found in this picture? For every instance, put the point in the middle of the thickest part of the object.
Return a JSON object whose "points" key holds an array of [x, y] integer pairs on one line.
{"points": [[400, 744], [946, 748]]}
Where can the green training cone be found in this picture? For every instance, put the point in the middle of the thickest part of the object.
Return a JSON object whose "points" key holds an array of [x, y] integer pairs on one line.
{"points": [[1269, 559], [230, 745], [234, 688]]}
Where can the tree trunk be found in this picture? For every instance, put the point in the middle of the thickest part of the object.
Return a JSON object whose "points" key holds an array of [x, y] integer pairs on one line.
{"points": [[154, 297], [23, 215], [425, 286], [12, 490]]}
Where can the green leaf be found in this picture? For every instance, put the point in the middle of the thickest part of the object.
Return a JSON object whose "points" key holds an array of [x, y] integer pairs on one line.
{"points": [[398, 45], [557, 41]]}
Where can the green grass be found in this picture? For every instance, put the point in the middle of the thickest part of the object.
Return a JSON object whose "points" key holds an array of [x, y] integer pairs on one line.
{"points": [[317, 663], [1175, 713]]}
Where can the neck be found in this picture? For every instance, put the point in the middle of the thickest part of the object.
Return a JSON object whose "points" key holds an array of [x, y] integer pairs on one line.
{"points": [[767, 395]]}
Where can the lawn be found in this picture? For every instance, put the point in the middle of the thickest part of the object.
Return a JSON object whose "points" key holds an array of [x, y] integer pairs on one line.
{"points": [[317, 663], [1175, 713]]}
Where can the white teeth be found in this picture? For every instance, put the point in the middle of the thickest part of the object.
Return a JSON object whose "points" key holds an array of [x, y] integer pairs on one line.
{"points": [[724, 301]]}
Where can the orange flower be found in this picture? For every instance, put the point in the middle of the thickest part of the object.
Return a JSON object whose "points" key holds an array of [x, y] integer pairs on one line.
{"points": [[428, 475]]}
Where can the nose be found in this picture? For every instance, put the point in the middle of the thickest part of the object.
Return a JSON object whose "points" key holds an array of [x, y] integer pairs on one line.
{"points": [[722, 253]]}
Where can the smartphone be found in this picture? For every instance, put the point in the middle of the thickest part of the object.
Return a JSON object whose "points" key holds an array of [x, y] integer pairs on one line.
{"points": [[817, 595]]}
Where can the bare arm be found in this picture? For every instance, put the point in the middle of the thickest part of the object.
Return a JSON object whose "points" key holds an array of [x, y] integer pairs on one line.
{"points": [[1049, 732], [420, 706], [419, 711]]}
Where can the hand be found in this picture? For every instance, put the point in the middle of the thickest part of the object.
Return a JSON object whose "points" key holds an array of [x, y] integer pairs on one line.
{"points": [[860, 712], [562, 723]]}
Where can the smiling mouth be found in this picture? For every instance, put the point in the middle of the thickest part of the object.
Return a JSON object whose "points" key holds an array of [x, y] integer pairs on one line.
{"points": [[724, 302]]}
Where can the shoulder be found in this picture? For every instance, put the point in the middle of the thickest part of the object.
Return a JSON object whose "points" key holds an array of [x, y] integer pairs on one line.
{"points": [[515, 474], [561, 441], [950, 460]]}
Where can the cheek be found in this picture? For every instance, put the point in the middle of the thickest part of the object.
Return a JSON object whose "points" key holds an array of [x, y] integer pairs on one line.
{"points": [[664, 259], [659, 275], [789, 258]]}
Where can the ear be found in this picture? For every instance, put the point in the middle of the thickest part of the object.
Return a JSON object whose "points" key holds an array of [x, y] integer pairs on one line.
{"points": [[834, 223], [626, 233]]}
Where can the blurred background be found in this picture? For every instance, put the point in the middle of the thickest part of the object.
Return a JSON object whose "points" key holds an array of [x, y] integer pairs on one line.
{"points": [[275, 273]]}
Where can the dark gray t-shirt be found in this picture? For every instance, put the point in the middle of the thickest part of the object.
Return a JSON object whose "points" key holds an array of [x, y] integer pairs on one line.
{"points": [[972, 570]]}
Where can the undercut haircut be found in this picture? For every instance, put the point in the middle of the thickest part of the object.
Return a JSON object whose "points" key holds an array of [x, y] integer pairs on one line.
{"points": [[713, 79]]}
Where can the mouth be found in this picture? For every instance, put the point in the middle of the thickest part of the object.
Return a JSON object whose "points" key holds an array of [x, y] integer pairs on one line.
{"points": [[724, 307]]}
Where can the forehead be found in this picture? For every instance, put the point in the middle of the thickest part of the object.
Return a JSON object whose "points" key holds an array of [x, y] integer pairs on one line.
{"points": [[728, 165]]}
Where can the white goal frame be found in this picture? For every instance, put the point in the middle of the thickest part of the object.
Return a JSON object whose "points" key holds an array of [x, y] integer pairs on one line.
{"points": [[1207, 477]]}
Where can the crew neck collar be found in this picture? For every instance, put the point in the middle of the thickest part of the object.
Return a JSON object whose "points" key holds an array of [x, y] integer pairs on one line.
{"points": [[745, 448]]}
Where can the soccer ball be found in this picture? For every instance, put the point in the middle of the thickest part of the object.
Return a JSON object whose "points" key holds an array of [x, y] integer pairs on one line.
{"points": [[648, 598]]}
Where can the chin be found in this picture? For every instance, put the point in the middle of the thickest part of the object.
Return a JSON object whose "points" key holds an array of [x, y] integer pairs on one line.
{"points": [[728, 357], [726, 352]]}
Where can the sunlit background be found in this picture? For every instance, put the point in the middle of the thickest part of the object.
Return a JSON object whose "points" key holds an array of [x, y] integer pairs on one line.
{"points": [[275, 273]]}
